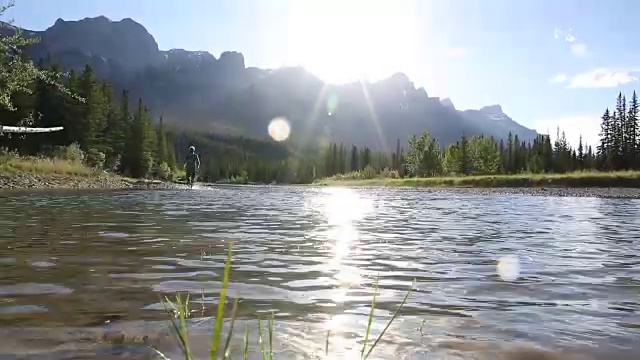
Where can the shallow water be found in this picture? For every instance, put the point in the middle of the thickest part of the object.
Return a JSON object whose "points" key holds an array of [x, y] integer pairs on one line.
{"points": [[78, 269]]}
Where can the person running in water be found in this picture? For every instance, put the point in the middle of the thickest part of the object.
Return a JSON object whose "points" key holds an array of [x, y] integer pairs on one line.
{"points": [[192, 164]]}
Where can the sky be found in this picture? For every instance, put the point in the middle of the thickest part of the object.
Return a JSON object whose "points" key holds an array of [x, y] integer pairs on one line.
{"points": [[547, 63]]}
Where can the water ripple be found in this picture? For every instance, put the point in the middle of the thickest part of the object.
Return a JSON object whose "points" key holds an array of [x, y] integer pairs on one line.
{"points": [[312, 256]]}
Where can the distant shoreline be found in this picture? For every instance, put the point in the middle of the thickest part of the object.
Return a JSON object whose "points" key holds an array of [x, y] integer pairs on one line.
{"points": [[583, 184], [600, 185]]}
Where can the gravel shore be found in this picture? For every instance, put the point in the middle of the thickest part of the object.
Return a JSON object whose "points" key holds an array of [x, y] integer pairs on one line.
{"points": [[36, 181], [593, 192]]}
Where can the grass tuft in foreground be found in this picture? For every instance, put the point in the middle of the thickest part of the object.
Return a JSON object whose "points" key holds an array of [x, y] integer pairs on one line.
{"points": [[628, 179], [180, 310]]}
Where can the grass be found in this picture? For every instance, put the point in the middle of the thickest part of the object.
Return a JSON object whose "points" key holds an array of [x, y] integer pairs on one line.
{"points": [[180, 312], [12, 164], [628, 179]]}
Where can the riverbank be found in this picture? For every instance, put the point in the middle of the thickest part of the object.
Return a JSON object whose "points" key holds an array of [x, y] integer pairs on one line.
{"points": [[44, 173], [621, 179], [579, 184], [57, 181]]}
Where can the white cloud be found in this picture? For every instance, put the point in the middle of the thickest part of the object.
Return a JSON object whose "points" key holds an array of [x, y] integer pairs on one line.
{"points": [[455, 52], [602, 78], [573, 126], [569, 38], [579, 49], [560, 78]]}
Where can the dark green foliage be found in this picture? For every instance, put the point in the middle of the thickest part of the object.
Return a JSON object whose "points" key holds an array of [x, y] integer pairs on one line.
{"points": [[102, 126], [619, 147]]}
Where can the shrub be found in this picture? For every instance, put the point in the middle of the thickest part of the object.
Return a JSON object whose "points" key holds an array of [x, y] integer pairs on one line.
{"points": [[163, 172], [95, 159], [389, 174], [72, 153], [369, 172]]}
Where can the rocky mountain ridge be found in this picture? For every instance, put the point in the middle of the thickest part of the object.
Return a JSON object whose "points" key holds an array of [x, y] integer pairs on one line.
{"points": [[196, 89]]}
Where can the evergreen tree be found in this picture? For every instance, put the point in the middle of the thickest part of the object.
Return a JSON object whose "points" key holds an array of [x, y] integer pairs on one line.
{"points": [[355, 165], [633, 132], [581, 155], [141, 145], [606, 141]]}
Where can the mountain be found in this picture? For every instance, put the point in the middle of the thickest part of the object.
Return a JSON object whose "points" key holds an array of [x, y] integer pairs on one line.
{"points": [[196, 89], [501, 123]]}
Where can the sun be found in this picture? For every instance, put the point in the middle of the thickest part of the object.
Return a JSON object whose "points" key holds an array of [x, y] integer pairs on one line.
{"points": [[342, 41]]}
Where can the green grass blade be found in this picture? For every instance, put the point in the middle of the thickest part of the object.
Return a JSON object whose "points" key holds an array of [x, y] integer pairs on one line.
{"points": [[217, 333], [271, 321], [370, 320], [246, 342], [233, 321], [261, 340], [183, 312], [391, 320], [176, 327], [326, 344]]}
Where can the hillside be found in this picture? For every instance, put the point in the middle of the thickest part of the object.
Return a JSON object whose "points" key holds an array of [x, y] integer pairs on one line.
{"points": [[196, 89]]}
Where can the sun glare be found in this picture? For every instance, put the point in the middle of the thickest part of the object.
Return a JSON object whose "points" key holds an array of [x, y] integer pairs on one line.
{"points": [[346, 40]]}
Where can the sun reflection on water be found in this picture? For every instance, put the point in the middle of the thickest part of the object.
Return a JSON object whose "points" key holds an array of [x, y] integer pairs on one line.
{"points": [[342, 209]]}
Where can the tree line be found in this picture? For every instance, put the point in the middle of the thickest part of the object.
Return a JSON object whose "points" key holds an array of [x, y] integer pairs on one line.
{"points": [[478, 155], [619, 147], [121, 137], [109, 132]]}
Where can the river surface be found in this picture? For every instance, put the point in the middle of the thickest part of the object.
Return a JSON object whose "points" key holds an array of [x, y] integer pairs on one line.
{"points": [[79, 269]]}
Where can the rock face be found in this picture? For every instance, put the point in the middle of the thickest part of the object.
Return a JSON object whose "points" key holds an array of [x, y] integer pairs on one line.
{"points": [[196, 89]]}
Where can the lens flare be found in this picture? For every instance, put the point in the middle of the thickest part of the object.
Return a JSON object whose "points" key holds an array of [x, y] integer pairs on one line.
{"points": [[279, 129], [508, 268], [332, 104]]}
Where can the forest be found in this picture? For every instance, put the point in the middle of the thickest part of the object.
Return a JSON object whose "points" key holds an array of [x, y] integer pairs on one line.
{"points": [[618, 149]]}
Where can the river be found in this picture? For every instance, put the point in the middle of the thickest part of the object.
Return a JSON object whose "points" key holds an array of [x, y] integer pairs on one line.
{"points": [[78, 267]]}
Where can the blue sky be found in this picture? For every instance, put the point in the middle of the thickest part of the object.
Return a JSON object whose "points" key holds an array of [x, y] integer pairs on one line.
{"points": [[548, 63]]}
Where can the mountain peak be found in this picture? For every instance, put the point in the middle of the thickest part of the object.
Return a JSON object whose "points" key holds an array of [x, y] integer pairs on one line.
{"points": [[126, 42], [446, 102], [492, 109]]}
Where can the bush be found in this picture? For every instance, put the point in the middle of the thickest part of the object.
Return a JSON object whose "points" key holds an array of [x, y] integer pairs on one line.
{"points": [[163, 172], [369, 172], [5, 152], [142, 166], [114, 163], [95, 159], [72, 153], [389, 174]]}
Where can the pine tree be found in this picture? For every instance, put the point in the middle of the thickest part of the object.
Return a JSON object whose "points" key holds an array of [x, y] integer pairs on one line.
{"points": [[581, 155], [141, 144], [161, 145], [122, 142], [633, 131], [616, 141], [606, 142], [342, 160], [464, 156], [355, 165]]}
